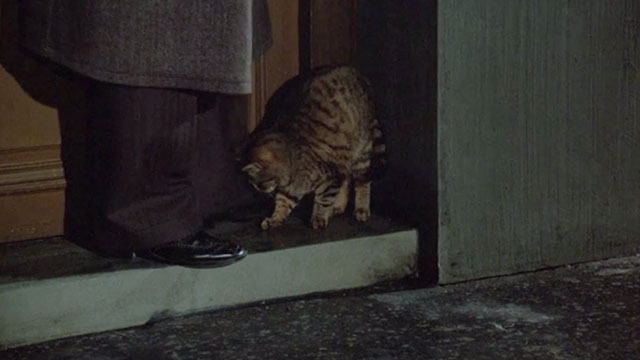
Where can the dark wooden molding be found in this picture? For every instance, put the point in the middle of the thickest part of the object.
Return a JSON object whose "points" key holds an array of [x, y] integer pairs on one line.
{"points": [[31, 169], [327, 32], [304, 34], [260, 93], [281, 62]]}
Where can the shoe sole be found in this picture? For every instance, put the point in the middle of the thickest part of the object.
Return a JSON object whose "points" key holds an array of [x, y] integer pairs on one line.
{"points": [[204, 263]]}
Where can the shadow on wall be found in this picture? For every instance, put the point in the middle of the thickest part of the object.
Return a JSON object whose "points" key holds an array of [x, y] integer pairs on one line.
{"points": [[397, 51], [44, 81], [36, 76]]}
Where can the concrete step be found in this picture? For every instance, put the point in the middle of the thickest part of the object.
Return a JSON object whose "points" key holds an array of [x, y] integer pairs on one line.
{"points": [[51, 288], [586, 311]]}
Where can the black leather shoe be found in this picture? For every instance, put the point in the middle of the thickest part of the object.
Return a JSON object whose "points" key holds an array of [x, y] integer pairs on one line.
{"points": [[200, 250]]}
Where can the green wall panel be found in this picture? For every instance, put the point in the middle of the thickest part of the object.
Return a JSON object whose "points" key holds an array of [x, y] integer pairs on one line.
{"points": [[538, 134]]}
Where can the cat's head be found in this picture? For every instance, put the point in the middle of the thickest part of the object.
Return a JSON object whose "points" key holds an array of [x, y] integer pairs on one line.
{"points": [[266, 164]]}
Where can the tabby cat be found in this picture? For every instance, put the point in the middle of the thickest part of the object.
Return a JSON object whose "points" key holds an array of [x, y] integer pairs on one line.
{"points": [[320, 136]]}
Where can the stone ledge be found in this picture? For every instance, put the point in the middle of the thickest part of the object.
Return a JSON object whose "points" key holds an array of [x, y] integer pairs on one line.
{"points": [[113, 295]]}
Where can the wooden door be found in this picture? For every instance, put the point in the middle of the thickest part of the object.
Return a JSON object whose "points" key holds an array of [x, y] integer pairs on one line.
{"points": [[31, 175]]}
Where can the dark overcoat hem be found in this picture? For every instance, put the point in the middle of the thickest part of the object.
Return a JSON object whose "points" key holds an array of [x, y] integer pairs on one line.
{"points": [[224, 86]]}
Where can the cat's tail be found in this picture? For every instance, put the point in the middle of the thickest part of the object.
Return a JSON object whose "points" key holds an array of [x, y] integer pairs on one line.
{"points": [[378, 152]]}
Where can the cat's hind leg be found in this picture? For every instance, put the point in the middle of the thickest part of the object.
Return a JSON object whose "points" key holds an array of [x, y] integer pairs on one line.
{"points": [[362, 186], [324, 203], [362, 211]]}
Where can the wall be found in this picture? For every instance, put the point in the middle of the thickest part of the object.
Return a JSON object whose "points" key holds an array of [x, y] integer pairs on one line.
{"points": [[539, 134], [31, 173]]}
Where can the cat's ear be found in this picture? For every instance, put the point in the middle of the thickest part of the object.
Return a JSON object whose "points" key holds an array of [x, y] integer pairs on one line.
{"points": [[252, 169]]}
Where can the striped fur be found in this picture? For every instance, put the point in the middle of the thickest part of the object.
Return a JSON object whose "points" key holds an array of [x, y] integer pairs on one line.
{"points": [[319, 136]]}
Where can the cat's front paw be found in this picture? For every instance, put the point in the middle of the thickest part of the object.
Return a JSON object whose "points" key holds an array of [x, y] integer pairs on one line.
{"points": [[319, 222], [362, 215], [269, 223]]}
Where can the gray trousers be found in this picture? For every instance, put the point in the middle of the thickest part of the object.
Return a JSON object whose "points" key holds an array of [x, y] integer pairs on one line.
{"points": [[155, 163]]}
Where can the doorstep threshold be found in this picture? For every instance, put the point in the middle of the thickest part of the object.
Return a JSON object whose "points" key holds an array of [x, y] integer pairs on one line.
{"points": [[51, 288]]}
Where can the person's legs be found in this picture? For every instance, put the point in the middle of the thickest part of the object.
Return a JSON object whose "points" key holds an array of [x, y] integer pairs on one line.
{"points": [[223, 191], [145, 167], [140, 146]]}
